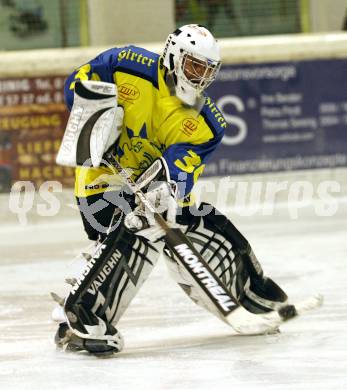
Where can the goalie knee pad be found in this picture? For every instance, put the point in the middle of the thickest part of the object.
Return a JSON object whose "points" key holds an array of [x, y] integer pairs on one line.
{"points": [[231, 258]]}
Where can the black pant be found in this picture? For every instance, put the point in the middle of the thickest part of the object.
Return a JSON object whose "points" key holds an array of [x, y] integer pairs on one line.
{"points": [[96, 222]]}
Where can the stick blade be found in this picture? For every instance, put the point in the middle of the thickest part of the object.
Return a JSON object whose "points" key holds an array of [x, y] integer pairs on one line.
{"points": [[309, 304], [247, 323]]}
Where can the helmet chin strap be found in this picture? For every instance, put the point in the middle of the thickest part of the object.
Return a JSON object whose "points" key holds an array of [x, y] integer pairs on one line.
{"points": [[187, 94], [192, 99]]}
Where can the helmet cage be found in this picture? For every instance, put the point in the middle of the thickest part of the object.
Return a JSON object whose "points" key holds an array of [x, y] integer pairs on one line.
{"points": [[196, 70]]}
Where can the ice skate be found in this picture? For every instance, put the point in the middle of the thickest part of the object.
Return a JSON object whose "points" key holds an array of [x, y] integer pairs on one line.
{"points": [[68, 341]]}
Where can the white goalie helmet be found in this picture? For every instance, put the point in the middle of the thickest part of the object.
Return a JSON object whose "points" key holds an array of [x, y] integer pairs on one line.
{"points": [[192, 56]]}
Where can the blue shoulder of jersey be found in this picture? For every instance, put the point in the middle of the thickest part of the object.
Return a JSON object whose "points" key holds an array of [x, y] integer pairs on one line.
{"points": [[138, 62], [129, 59], [213, 118]]}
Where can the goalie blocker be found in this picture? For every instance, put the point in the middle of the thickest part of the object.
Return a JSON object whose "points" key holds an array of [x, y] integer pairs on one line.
{"points": [[92, 126]]}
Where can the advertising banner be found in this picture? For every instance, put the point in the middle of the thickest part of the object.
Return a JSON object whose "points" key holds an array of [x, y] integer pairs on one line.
{"points": [[32, 122], [281, 116]]}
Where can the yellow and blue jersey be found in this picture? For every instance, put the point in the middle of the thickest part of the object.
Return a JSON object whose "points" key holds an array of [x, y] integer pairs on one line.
{"points": [[155, 122]]}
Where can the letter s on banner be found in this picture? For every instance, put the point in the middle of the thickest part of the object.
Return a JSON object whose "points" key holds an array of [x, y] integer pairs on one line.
{"points": [[233, 120]]}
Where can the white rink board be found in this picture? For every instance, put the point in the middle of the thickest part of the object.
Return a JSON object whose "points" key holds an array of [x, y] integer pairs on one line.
{"points": [[169, 342]]}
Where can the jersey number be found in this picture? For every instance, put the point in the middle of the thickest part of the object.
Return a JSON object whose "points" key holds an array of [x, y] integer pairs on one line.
{"points": [[191, 163]]}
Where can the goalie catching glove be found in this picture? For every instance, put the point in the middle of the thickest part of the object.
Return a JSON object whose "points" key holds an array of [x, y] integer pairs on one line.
{"points": [[161, 192]]}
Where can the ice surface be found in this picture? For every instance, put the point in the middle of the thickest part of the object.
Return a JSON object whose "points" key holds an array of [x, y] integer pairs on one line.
{"points": [[170, 342]]}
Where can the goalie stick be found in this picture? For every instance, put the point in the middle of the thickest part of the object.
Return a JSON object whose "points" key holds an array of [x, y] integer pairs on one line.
{"points": [[204, 277]]}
